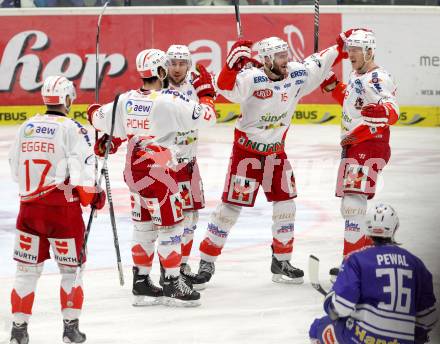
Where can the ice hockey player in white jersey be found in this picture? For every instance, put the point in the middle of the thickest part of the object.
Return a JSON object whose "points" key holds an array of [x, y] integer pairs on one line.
{"points": [[268, 94], [383, 294], [52, 160], [369, 108], [189, 180], [149, 118]]}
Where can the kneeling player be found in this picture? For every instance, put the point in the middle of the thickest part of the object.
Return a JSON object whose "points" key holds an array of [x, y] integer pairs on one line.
{"points": [[383, 294]]}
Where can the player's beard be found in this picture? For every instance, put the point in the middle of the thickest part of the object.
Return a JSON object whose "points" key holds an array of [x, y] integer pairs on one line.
{"points": [[176, 82], [166, 82]]}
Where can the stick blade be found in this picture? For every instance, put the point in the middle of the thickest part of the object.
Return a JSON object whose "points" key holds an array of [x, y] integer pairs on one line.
{"points": [[314, 274]]}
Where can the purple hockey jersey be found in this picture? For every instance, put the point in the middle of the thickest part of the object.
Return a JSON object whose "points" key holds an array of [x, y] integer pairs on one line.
{"points": [[386, 293]]}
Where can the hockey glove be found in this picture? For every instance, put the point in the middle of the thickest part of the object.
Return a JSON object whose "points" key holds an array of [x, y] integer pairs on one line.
{"points": [[239, 55], [91, 110], [101, 144], [203, 82], [91, 195], [377, 115], [329, 83]]}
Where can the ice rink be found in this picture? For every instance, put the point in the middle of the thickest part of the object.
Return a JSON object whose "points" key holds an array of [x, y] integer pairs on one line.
{"points": [[241, 303]]}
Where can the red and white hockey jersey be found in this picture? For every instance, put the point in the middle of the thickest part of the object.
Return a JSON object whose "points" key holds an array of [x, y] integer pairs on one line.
{"points": [[186, 141], [267, 106], [49, 149], [154, 117], [375, 86]]}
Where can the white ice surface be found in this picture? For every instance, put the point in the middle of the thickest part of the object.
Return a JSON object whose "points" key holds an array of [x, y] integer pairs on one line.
{"points": [[241, 304]]}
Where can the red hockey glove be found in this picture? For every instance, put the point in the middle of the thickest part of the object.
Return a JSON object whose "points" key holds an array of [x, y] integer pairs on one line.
{"points": [[203, 82], [90, 110], [239, 55], [91, 195], [329, 83], [101, 144], [377, 115]]}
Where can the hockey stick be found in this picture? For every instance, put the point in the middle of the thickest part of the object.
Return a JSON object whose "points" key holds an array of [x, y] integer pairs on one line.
{"points": [[93, 210], [314, 274], [238, 20], [97, 78], [104, 171], [316, 27]]}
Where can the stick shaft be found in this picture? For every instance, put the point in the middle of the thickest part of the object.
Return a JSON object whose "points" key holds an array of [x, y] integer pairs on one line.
{"points": [[316, 27]]}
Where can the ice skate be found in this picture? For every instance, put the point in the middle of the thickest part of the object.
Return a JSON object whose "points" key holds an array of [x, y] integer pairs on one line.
{"points": [[71, 333], [284, 272], [19, 334], [198, 282], [206, 270], [144, 291], [178, 294]]}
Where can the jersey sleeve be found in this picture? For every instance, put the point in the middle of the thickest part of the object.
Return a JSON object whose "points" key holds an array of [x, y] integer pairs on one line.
{"points": [[382, 89], [317, 67], [346, 290], [14, 156], [79, 155], [426, 312], [182, 114], [102, 119], [234, 86]]}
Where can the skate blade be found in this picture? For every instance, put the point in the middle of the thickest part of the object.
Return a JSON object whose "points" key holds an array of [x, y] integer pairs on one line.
{"points": [[67, 340], [277, 278], [200, 286], [172, 302], [144, 301]]}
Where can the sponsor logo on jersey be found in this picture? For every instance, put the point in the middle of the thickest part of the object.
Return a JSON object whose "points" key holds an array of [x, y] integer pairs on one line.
{"points": [[299, 82], [268, 117], [198, 109], [376, 81], [259, 79], [260, 146], [25, 242], [288, 85], [314, 59], [298, 73], [138, 107], [41, 130], [176, 94], [263, 93], [84, 132]]}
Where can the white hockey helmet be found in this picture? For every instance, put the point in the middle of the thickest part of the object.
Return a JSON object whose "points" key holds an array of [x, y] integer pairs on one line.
{"points": [[148, 62], [179, 52], [270, 46], [362, 39], [55, 90], [381, 221]]}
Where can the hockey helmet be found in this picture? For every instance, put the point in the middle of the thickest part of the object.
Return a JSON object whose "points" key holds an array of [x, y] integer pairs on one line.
{"points": [[148, 62], [363, 39], [55, 90], [381, 221], [270, 46], [179, 52]]}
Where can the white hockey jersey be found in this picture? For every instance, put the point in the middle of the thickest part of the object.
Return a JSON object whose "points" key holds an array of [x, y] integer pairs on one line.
{"points": [[375, 86], [267, 106], [49, 149], [186, 141], [154, 117]]}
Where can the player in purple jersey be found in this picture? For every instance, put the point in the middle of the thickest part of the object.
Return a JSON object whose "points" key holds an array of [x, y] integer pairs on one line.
{"points": [[383, 294]]}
